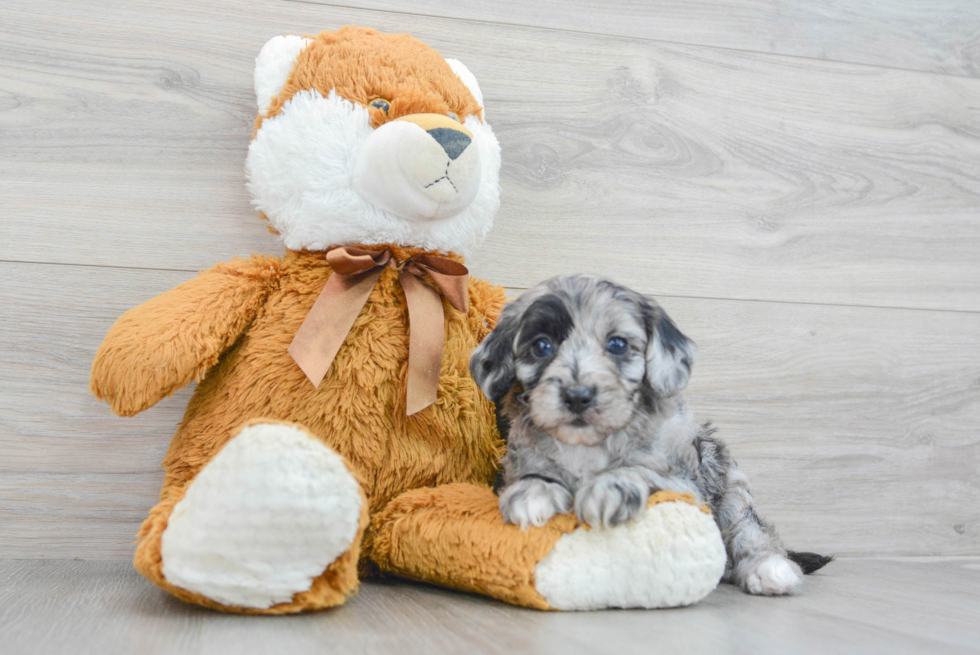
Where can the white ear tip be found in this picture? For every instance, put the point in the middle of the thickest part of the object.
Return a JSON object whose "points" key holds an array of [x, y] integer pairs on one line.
{"points": [[464, 74], [273, 65]]}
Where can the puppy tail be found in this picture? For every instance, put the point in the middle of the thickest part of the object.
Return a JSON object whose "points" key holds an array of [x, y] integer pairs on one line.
{"points": [[809, 562]]}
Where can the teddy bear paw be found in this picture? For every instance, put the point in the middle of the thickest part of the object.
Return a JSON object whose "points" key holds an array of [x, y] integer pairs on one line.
{"points": [[262, 519]]}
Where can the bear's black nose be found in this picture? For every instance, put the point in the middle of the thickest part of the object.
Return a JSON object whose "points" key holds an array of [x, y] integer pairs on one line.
{"points": [[578, 399], [452, 141]]}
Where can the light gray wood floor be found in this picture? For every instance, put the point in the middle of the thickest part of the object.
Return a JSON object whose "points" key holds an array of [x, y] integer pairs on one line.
{"points": [[811, 220], [853, 606], [798, 182]]}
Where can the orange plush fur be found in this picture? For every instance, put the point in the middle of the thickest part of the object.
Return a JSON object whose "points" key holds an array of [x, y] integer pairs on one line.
{"points": [[231, 326], [420, 535], [358, 410]]}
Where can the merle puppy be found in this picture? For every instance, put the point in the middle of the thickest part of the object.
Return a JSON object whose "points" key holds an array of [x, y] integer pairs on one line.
{"points": [[588, 374]]}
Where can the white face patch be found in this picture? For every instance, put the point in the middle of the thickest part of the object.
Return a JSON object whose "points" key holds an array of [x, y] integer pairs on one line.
{"points": [[302, 166], [404, 171]]}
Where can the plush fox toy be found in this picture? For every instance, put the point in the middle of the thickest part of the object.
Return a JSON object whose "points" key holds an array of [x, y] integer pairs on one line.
{"points": [[335, 430]]}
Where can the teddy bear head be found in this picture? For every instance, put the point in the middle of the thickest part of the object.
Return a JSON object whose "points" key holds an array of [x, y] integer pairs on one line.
{"points": [[366, 138]]}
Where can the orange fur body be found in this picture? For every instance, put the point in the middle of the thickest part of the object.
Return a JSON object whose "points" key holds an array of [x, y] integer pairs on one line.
{"points": [[256, 306], [230, 328]]}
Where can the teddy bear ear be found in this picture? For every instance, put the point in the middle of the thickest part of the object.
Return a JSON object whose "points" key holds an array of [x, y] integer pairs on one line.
{"points": [[464, 74], [273, 65]]}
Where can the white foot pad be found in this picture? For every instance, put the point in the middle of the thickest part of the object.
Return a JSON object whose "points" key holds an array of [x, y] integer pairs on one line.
{"points": [[671, 555], [267, 515]]}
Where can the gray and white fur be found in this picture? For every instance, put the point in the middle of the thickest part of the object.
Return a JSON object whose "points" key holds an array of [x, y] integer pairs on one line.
{"points": [[588, 374]]}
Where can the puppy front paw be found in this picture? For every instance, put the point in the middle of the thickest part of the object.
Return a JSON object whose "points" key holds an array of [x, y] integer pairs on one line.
{"points": [[533, 501], [774, 575], [611, 498]]}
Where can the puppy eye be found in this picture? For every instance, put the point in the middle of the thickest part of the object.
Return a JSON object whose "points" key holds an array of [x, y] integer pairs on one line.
{"points": [[380, 103], [453, 116], [616, 345], [542, 347]]}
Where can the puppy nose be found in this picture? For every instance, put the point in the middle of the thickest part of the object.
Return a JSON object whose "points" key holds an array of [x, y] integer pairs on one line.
{"points": [[578, 399], [452, 141]]}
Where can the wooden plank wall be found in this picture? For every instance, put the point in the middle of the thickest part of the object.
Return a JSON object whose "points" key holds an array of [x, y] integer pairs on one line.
{"points": [[799, 186]]}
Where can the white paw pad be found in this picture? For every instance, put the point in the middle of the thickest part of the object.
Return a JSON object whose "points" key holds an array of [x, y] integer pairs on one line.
{"points": [[265, 517], [671, 555], [775, 576]]}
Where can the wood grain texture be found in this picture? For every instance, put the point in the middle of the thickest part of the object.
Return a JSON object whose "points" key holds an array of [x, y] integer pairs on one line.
{"points": [[86, 515], [853, 606], [54, 319], [856, 425], [940, 36], [785, 209], [695, 171]]}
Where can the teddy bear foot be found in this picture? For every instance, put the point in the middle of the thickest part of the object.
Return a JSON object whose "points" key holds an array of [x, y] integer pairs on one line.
{"points": [[454, 535], [671, 555], [263, 521]]}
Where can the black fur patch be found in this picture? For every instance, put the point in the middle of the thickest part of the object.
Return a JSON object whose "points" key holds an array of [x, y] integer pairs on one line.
{"points": [[498, 481], [672, 339], [492, 363], [546, 317], [809, 562], [539, 476], [503, 426], [631, 503], [676, 346]]}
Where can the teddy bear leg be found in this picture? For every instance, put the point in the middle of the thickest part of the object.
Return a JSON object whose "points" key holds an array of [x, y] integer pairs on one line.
{"points": [[454, 536], [271, 525]]}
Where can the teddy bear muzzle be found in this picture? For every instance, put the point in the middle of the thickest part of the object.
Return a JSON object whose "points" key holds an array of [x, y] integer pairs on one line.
{"points": [[419, 167]]}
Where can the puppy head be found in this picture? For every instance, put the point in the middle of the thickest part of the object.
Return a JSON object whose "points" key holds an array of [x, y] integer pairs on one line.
{"points": [[585, 351]]}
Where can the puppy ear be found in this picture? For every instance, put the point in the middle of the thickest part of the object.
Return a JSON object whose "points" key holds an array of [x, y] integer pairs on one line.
{"points": [[670, 355], [492, 363]]}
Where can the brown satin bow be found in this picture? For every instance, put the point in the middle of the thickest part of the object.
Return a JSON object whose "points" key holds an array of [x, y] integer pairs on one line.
{"points": [[355, 272]]}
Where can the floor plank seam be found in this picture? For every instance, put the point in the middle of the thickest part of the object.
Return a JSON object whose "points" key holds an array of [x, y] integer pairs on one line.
{"points": [[632, 38], [521, 289]]}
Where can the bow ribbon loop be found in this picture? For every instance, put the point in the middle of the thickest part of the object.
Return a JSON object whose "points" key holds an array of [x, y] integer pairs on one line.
{"points": [[349, 261], [355, 272]]}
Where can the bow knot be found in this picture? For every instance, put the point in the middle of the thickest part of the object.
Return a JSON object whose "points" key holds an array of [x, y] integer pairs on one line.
{"points": [[355, 272]]}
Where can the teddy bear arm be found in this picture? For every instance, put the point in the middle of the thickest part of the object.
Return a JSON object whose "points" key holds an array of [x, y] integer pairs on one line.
{"points": [[155, 349]]}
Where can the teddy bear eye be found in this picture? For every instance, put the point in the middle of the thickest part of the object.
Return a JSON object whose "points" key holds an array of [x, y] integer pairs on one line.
{"points": [[453, 116], [380, 103]]}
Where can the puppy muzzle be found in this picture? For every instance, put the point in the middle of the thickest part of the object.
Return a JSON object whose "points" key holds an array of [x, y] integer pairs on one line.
{"points": [[419, 167], [578, 413]]}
